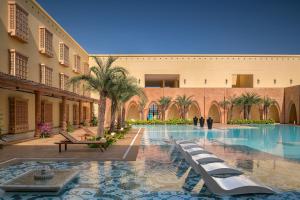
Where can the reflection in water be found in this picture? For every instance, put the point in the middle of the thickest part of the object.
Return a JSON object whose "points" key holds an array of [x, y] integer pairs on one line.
{"points": [[160, 171], [245, 164]]}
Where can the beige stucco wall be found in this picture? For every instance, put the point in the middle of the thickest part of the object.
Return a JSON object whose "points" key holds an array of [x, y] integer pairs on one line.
{"points": [[214, 68], [4, 107], [37, 17]]}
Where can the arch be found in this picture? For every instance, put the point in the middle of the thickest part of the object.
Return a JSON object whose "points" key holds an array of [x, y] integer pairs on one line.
{"points": [[274, 113], [214, 113], [153, 112], [193, 111], [255, 113], [293, 113], [133, 111], [236, 113], [173, 112]]}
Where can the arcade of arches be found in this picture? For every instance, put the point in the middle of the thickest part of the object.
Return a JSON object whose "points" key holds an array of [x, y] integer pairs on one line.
{"points": [[293, 114], [284, 111], [133, 112], [214, 113]]}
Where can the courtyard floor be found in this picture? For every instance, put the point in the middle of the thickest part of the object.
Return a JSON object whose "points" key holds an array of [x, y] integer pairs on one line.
{"points": [[45, 149]]}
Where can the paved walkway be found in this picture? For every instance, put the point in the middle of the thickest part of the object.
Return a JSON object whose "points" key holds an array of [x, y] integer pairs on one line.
{"points": [[45, 149]]}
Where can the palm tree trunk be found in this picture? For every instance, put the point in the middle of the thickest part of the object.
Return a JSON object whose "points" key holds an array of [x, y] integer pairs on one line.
{"points": [[231, 110], [101, 115], [142, 115], [119, 124], [112, 117], [248, 112], [123, 117]]}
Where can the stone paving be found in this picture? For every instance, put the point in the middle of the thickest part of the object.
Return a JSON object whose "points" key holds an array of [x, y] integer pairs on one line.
{"points": [[45, 149]]}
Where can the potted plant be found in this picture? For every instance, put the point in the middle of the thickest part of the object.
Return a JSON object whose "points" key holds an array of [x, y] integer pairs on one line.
{"points": [[209, 123], [195, 119], [201, 121]]}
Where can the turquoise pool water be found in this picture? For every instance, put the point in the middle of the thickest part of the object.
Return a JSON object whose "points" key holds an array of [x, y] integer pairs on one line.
{"points": [[160, 172], [279, 140]]}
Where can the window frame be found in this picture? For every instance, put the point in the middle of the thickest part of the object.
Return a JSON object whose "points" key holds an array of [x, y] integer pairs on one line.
{"points": [[46, 42], [18, 26], [18, 64]]}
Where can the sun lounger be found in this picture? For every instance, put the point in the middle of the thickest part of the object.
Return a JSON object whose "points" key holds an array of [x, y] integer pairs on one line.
{"points": [[218, 168], [218, 177], [71, 140], [204, 158], [183, 141], [196, 150], [234, 185], [189, 145], [183, 147]]}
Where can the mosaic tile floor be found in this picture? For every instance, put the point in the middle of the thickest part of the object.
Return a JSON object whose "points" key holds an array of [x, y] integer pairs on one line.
{"points": [[144, 179], [160, 172]]}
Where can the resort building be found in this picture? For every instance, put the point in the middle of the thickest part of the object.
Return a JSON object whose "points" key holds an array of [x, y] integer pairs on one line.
{"points": [[38, 57]]}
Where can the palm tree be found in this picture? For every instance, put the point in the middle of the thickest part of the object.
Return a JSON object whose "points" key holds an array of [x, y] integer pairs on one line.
{"points": [[163, 104], [232, 101], [183, 102], [267, 102], [141, 106], [133, 90], [122, 89], [225, 105], [247, 100], [100, 80]]}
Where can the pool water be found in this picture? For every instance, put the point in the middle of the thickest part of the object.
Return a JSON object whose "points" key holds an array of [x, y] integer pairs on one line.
{"points": [[279, 140], [160, 172]]}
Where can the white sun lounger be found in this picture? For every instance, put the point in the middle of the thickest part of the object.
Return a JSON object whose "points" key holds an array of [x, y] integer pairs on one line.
{"points": [[188, 145], [210, 166], [234, 185], [195, 151], [204, 158], [183, 141], [218, 168]]}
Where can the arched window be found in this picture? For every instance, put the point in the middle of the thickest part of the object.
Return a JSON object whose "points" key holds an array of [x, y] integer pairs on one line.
{"points": [[153, 112]]}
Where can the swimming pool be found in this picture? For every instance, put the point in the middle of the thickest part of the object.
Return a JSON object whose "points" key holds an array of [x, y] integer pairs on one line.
{"points": [[279, 140], [161, 173]]}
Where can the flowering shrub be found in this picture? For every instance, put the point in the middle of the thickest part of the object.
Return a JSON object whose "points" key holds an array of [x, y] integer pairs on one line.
{"points": [[45, 129]]}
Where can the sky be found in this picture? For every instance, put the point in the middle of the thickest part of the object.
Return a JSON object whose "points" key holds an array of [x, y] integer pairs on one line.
{"points": [[180, 26]]}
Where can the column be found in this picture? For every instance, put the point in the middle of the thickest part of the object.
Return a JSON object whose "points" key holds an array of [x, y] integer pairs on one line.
{"points": [[91, 110], [38, 112], [80, 113], [63, 115]]}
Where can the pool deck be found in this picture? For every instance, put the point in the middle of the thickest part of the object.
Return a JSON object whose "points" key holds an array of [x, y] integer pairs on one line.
{"points": [[44, 149]]}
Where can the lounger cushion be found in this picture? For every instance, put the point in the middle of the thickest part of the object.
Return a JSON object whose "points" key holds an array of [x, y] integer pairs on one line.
{"points": [[234, 182], [189, 146], [205, 158], [195, 151], [219, 168], [183, 141]]}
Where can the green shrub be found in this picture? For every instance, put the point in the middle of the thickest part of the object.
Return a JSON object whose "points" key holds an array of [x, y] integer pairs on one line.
{"points": [[249, 121], [94, 121], [157, 122], [70, 127], [110, 139]]}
